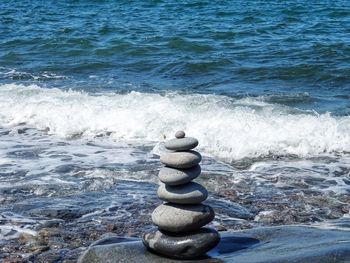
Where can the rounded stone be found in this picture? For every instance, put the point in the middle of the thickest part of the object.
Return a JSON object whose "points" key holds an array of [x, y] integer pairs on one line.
{"points": [[182, 144], [191, 193], [171, 176], [182, 246], [182, 218], [181, 159], [180, 134]]}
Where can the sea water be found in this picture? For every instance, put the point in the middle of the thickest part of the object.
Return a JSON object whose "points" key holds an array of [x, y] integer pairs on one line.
{"points": [[89, 90]]}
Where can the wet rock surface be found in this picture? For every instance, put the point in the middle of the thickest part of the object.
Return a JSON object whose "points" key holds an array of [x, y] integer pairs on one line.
{"points": [[182, 246], [190, 193], [181, 160], [295, 244], [172, 176], [93, 199], [181, 144], [182, 218]]}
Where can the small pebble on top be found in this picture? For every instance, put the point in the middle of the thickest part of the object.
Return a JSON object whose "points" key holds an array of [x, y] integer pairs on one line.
{"points": [[180, 134]]}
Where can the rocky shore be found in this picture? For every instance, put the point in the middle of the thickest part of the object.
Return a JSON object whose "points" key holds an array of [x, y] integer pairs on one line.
{"points": [[66, 233], [182, 234], [297, 244], [59, 223]]}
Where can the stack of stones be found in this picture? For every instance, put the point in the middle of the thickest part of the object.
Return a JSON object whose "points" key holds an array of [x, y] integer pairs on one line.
{"points": [[181, 218]]}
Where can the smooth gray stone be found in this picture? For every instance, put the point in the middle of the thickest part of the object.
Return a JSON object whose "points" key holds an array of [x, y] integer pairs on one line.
{"points": [[181, 160], [172, 176], [281, 244], [181, 218], [180, 134], [184, 246], [129, 252], [181, 144], [190, 193]]}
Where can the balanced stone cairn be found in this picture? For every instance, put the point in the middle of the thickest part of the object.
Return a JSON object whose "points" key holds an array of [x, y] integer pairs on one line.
{"points": [[181, 219]]}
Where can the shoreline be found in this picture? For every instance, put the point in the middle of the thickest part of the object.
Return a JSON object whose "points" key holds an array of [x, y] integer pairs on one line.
{"points": [[285, 244], [66, 233]]}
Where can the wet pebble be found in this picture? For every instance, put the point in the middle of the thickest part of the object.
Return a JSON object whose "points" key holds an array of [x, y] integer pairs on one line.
{"points": [[180, 134], [181, 159], [190, 193], [182, 144], [171, 176], [182, 218], [183, 246]]}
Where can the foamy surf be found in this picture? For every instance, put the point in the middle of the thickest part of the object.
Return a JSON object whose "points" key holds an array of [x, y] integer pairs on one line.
{"points": [[227, 128]]}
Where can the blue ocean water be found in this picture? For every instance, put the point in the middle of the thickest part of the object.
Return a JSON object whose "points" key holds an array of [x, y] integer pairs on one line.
{"points": [[295, 52], [90, 89]]}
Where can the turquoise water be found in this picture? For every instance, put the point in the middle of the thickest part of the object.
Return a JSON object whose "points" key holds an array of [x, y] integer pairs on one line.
{"points": [[89, 90]]}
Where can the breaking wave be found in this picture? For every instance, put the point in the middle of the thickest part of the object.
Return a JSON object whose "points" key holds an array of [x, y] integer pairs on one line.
{"points": [[226, 127]]}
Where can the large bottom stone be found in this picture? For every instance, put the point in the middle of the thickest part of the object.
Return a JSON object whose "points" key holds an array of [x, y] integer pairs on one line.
{"points": [[182, 246], [288, 244]]}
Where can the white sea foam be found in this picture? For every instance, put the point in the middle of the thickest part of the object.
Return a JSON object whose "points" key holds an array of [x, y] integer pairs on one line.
{"points": [[226, 128], [8, 232], [9, 226], [15, 74]]}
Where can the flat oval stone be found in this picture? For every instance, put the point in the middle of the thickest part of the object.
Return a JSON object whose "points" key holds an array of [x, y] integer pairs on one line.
{"points": [[181, 144], [171, 176], [182, 246], [191, 193], [180, 134], [181, 159], [182, 218]]}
